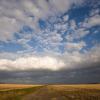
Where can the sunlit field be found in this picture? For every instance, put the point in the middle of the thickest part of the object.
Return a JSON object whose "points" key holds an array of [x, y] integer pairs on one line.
{"points": [[49, 92], [6, 87]]}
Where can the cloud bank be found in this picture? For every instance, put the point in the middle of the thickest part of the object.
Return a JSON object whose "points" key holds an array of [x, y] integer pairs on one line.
{"points": [[54, 63]]}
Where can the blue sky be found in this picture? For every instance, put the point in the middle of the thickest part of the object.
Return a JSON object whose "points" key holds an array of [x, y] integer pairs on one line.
{"points": [[53, 34]]}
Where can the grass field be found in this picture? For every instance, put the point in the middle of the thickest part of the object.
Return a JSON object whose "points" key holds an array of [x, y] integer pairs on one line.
{"points": [[49, 92], [5, 87]]}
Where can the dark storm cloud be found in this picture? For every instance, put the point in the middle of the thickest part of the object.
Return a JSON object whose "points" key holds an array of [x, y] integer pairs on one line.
{"points": [[80, 75]]}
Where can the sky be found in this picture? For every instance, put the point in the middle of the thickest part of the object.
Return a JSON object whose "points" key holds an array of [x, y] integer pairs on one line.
{"points": [[49, 41]]}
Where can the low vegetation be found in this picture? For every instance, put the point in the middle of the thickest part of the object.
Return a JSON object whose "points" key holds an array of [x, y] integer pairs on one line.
{"points": [[51, 92], [18, 92]]}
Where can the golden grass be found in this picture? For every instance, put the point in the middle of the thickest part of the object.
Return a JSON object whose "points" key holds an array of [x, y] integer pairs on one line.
{"points": [[78, 86], [50, 92], [4, 87], [21, 86]]}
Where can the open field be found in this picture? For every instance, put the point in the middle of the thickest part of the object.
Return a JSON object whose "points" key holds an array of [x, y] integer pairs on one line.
{"points": [[5, 87], [50, 92]]}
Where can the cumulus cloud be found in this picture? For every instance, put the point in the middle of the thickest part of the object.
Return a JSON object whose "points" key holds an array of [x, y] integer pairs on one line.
{"points": [[55, 62], [95, 20], [24, 44], [27, 63], [7, 27], [62, 6], [82, 29], [14, 14], [75, 46], [77, 33]]}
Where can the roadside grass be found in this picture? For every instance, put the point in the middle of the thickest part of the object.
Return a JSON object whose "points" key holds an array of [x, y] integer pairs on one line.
{"points": [[53, 92], [17, 94], [69, 93], [82, 94]]}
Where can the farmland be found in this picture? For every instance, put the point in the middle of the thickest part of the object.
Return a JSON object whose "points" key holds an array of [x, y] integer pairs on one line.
{"points": [[49, 92]]}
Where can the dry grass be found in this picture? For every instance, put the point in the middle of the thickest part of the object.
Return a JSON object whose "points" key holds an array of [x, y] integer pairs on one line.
{"points": [[5, 87], [66, 92], [50, 92], [16, 91], [79, 86]]}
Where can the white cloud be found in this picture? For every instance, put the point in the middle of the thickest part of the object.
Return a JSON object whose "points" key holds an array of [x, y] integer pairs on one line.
{"points": [[77, 34], [73, 24], [81, 32], [93, 21], [65, 18], [7, 27], [51, 61], [75, 46], [48, 40], [61, 26], [63, 5], [77, 31], [94, 12], [81, 29], [33, 62], [24, 43], [14, 14]]}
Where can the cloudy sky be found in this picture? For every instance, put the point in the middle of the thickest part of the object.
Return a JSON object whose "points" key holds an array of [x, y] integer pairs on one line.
{"points": [[49, 41]]}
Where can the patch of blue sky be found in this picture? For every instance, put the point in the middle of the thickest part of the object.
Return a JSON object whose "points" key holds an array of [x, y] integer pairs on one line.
{"points": [[50, 26], [33, 42], [17, 36], [39, 49], [42, 24], [62, 48], [26, 29], [79, 14], [95, 33], [10, 47], [37, 45], [92, 38]]}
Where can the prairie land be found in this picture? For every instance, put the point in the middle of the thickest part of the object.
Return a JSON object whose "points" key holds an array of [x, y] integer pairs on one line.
{"points": [[49, 92], [5, 87]]}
